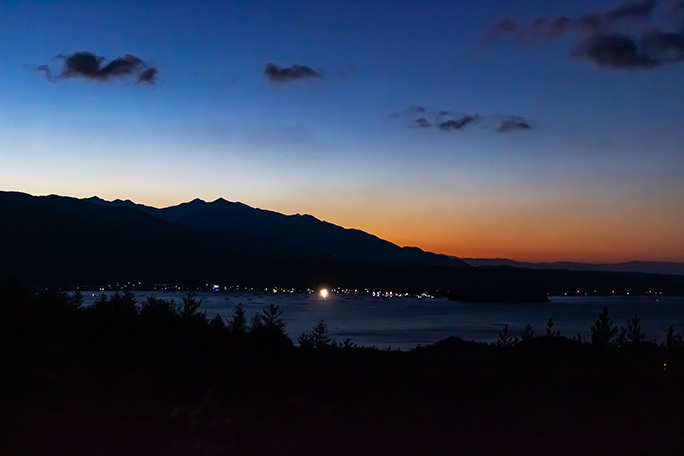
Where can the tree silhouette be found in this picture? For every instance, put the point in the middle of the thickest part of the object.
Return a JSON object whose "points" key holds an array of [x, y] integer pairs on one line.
{"points": [[673, 339], [190, 310], [256, 322], [528, 333], [634, 334], [271, 319], [238, 324], [159, 311], [603, 331], [217, 323], [506, 340], [317, 338], [305, 340]]}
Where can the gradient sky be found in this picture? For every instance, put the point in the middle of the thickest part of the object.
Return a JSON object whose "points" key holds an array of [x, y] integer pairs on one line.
{"points": [[534, 130]]}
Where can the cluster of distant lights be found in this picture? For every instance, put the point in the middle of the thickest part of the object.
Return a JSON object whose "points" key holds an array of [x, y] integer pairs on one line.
{"points": [[612, 292], [322, 292]]}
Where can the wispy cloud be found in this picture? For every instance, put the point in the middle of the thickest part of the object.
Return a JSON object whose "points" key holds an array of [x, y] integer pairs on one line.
{"points": [[457, 124], [280, 74], [445, 120], [623, 37], [88, 65], [512, 123], [422, 122], [148, 76]]}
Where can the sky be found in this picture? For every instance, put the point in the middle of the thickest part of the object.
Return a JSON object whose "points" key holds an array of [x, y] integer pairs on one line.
{"points": [[532, 130]]}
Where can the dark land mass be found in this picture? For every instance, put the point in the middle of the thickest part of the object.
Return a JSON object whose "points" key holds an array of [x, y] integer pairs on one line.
{"points": [[149, 378], [61, 242], [647, 267]]}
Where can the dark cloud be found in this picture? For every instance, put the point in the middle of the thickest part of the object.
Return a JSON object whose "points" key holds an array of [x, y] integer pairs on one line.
{"points": [[545, 28], [503, 27], [412, 110], [631, 10], [90, 66], [663, 46], [457, 124], [45, 69], [539, 29], [514, 123], [422, 122], [444, 120], [597, 22], [621, 51], [148, 76], [277, 74], [616, 51], [676, 9], [623, 37]]}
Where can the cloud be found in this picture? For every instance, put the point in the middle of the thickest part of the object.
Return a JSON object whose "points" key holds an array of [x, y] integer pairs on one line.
{"points": [[621, 51], [277, 74], [90, 66], [447, 121], [410, 111], [675, 9], [631, 10], [539, 29], [148, 76], [664, 46], [623, 37], [545, 28], [615, 51], [45, 69], [457, 124], [422, 122], [514, 123]]}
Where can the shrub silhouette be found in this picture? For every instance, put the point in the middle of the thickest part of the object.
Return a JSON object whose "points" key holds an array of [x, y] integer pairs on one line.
{"points": [[549, 331]]}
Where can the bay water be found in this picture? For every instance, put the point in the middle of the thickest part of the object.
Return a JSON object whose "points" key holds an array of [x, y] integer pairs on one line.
{"points": [[405, 322]]}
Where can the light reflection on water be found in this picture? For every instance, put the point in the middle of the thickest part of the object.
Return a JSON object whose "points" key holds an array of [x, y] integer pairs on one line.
{"points": [[404, 323]]}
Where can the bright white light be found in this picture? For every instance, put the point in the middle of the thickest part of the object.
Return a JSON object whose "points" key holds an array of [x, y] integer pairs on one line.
{"points": [[324, 293]]}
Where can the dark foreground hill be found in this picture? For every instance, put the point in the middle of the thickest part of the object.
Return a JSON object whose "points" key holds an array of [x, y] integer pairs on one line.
{"points": [[127, 378], [56, 241]]}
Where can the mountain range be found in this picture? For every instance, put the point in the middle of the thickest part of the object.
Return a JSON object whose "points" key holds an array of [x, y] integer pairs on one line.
{"points": [[59, 241], [62, 240]]}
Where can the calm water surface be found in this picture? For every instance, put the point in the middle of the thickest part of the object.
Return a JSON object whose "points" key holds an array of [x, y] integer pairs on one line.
{"points": [[404, 323]]}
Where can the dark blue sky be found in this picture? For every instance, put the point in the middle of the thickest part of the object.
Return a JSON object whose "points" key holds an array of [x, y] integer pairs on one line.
{"points": [[536, 130]]}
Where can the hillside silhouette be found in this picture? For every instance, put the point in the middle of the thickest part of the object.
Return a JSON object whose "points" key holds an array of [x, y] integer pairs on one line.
{"points": [[158, 378]]}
